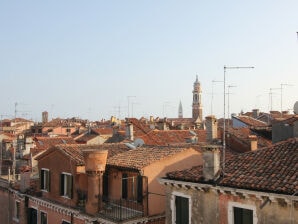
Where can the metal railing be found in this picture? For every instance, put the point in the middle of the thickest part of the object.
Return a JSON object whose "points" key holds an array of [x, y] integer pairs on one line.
{"points": [[121, 209]]}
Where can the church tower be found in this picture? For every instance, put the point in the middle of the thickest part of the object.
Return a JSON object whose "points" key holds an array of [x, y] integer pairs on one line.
{"points": [[197, 109], [180, 110]]}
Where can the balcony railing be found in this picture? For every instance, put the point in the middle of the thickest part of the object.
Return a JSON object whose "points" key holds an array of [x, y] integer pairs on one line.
{"points": [[121, 209]]}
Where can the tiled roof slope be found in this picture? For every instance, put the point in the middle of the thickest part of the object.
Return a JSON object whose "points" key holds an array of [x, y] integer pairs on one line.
{"points": [[272, 169], [251, 121], [144, 156], [74, 151], [139, 127], [43, 143], [164, 138], [243, 133]]}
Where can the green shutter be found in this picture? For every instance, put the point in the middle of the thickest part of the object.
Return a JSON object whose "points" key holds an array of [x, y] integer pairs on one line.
{"points": [[49, 183], [61, 184], [70, 186], [182, 210], [42, 179]]}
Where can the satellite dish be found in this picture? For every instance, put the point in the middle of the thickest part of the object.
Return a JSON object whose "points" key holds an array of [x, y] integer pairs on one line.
{"points": [[296, 108], [129, 145], [192, 132], [138, 142]]}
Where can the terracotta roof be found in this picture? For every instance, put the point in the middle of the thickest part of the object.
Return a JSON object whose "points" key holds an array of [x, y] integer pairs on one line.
{"points": [[103, 131], [167, 137], [141, 157], [271, 169], [251, 121], [286, 120], [242, 134], [85, 138], [74, 151], [43, 143], [139, 127]]}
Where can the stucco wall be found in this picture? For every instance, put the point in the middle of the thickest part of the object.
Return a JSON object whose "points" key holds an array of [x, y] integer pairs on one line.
{"points": [[64, 165], [180, 161], [212, 206]]}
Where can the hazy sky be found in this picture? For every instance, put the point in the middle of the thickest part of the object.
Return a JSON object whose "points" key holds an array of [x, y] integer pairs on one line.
{"points": [[84, 58]]}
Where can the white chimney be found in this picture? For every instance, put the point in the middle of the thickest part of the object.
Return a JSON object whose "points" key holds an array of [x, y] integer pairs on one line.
{"points": [[211, 162]]}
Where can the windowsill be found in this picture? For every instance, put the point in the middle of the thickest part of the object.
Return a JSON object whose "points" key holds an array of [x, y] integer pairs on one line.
{"points": [[16, 219], [43, 190], [65, 196]]}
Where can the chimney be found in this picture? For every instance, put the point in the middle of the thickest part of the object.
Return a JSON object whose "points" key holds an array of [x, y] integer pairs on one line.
{"points": [[211, 162], [95, 163], [151, 119], [255, 113], [129, 130], [211, 128], [253, 142]]}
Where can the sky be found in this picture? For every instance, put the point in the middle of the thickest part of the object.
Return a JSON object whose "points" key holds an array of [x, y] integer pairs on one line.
{"points": [[94, 59]]}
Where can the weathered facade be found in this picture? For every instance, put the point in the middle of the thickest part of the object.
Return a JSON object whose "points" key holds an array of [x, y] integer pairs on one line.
{"points": [[259, 186]]}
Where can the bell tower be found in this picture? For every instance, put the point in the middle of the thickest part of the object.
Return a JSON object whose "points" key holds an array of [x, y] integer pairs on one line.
{"points": [[197, 109]]}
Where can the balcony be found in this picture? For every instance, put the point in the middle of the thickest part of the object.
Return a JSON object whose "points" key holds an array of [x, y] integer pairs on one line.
{"points": [[121, 209]]}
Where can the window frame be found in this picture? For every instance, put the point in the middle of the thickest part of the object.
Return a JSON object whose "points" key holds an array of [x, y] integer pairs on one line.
{"points": [[232, 205], [67, 190], [17, 209], [43, 212], [45, 184], [173, 205]]}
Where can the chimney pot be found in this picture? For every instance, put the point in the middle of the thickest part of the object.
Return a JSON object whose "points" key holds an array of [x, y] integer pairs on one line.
{"points": [[253, 142]]}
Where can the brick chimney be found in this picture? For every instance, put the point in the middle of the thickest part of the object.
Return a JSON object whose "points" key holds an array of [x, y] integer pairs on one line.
{"points": [[253, 142], [129, 130], [211, 162], [211, 128], [95, 163]]}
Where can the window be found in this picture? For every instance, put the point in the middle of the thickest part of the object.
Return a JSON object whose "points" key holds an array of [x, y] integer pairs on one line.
{"points": [[241, 213], [180, 205], [45, 179], [66, 185], [243, 216], [32, 216], [132, 187], [17, 210], [43, 218], [182, 210], [65, 222]]}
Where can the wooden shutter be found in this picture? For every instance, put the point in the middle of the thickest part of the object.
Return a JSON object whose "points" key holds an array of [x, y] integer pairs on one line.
{"points": [[105, 190], [42, 179], [140, 189], [62, 184], [49, 181], [124, 185]]}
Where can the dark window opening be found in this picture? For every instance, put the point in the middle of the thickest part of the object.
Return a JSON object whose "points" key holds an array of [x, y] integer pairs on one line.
{"points": [[243, 216]]}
